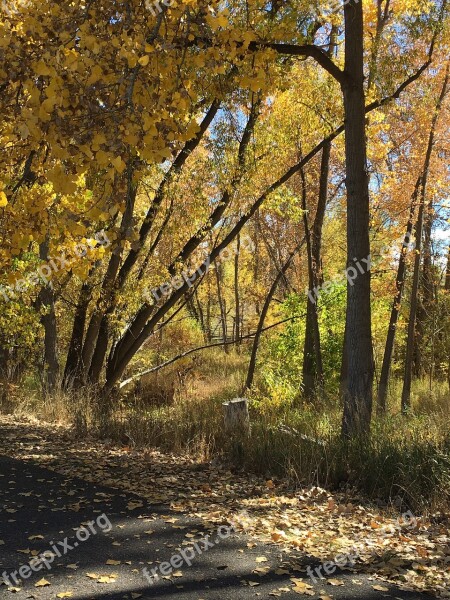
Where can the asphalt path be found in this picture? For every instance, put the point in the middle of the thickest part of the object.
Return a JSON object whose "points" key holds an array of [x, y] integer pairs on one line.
{"points": [[80, 527]]}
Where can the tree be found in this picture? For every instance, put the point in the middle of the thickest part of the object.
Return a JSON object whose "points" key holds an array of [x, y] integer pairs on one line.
{"points": [[410, 344]]}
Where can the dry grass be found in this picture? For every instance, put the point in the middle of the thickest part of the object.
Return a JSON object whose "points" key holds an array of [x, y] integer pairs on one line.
{"points": [[406, 461]]}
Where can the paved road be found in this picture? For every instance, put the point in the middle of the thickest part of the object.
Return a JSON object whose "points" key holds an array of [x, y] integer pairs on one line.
{"points": [[40, 509]]}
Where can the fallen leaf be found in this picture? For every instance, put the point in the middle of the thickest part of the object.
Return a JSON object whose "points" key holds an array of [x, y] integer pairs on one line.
{"points": [[380, 588], [107, 578], [335, 582]]}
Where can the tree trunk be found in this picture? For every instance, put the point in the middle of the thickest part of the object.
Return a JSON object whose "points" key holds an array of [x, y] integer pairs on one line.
{"points": [[256, 262], [262, 318], [208, 327], [395, 311], [236, 417], [358, 396], [406, 391], [237, 304], [427, 293], [201, 315], [74, 366], [447, 287], [447, 274], [46, 304], [146, 318], [222, 307], [343, 375], [313, 379], [97, 336], [411, 341]]}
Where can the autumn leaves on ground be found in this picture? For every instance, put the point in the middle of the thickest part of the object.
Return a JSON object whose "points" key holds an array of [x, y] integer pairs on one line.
{"points": [[205, 201], [280, 534]]}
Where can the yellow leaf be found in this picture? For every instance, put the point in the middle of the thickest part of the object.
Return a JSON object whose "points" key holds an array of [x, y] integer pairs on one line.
{"points": [[3, 199], [118, 164], [42, 583], [42, 69], [96, 74], [143, 61], [106, 579], [335, 582], [64, 595]]}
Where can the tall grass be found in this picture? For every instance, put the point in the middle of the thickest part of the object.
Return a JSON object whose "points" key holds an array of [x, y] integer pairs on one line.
{"points": [[406, 461]]}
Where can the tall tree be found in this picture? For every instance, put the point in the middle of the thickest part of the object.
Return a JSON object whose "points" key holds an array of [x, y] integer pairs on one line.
{"points": [[411, 342], [396, 305], [313, 377], [358, 396]]}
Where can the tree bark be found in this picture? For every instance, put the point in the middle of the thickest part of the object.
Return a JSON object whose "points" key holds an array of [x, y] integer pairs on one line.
{"points": [[358, 396], [74, 366], [46, 304], [236, 417]]}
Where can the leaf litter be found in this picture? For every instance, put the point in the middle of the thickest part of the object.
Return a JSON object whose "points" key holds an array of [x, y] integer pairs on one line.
{"points": [[308, 523]]}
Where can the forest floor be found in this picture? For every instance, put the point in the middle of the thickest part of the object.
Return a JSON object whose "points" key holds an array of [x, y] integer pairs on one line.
{"points": [[159, 504]]}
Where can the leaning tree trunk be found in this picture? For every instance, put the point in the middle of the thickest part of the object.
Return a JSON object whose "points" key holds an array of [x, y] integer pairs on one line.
{"points": [[358, 396]]}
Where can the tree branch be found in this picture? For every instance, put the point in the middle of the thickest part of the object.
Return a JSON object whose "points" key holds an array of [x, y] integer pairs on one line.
{"points": [[167, 363], [308, 51]]}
